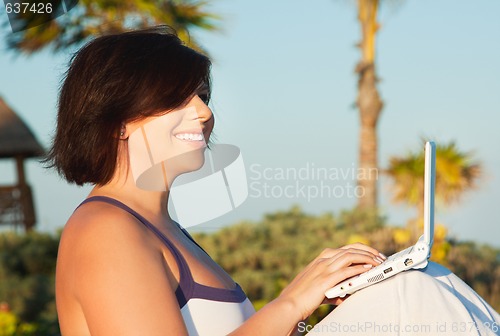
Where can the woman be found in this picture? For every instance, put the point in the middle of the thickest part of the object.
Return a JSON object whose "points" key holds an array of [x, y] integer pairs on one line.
{"points": [[124, 266]]}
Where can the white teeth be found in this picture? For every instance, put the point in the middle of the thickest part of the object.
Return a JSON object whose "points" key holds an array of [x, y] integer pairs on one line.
{"points": [[189, 136]]}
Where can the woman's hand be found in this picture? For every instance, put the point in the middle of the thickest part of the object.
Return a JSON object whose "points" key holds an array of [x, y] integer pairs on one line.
{"points": [[307, 291]]}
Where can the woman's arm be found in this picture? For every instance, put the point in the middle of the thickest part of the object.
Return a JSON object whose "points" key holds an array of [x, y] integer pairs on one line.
{"points": [[121, 283], [307, 291]]}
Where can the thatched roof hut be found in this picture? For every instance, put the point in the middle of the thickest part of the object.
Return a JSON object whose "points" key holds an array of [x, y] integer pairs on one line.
{"points": [[16, 139], [17, 142]]}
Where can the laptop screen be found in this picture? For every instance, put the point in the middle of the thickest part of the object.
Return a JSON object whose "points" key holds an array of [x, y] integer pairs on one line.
{"points": [[429, 185]]}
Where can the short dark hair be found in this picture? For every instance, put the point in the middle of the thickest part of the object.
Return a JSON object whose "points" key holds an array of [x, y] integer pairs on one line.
{"points": [[115, 79]]}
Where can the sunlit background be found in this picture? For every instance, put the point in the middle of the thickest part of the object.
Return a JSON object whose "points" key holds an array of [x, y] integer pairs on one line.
{"points": [[284, 92]]}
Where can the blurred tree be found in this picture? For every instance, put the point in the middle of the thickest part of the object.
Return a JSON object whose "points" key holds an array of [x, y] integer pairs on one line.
{"points": [[456, 173], [95, 17], [369, 104]]}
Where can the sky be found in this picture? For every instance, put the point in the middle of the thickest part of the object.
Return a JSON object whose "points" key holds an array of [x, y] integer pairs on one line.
{"points": [[284, 90]]}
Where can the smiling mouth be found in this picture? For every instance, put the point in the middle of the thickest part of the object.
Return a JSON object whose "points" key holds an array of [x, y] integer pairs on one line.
{"points": [[190, 136]]}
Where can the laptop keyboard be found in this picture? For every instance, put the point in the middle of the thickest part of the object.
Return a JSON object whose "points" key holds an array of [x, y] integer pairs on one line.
{"points": [[390, 258]]}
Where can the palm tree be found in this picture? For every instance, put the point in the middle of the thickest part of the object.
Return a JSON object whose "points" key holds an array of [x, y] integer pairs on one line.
{"points": [[456, 173], [95, 17], [369, 103]]}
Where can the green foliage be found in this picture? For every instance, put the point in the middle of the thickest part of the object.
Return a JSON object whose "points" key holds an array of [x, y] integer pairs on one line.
{"points": [[8, 323], [478, 266], [27, 274], [11, 326]]}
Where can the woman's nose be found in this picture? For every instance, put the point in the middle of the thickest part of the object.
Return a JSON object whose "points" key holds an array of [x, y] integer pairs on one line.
{"points": [[203, 112]]}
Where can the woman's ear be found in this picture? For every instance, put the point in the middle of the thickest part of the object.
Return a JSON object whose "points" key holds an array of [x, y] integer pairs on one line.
{"points": [[130, 127]]}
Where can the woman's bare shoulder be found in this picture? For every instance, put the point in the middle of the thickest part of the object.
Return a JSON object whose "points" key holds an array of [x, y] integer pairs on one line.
{"points": [[99, 235], [107, 256], [98, 223]]}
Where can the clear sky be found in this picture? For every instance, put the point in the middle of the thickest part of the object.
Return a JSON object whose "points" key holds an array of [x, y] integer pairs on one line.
{"points": [[284, 88]]}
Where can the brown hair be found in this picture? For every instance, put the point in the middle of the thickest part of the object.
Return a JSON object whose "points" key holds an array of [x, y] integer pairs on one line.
{"points": [[113, 80]]}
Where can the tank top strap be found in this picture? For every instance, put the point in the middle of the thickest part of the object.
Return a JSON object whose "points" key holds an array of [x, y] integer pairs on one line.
{"points": [[186, 281]]}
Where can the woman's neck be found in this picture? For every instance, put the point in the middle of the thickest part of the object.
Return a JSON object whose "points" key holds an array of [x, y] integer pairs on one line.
{"points": [[151, 204]]}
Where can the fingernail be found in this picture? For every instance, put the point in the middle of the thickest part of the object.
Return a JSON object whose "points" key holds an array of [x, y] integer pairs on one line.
{"points": [[382, 256], [367, 265], [377, 259]]}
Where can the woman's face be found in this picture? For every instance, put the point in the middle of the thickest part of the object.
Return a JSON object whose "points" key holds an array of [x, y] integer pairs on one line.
{"points": [[163, 147]]}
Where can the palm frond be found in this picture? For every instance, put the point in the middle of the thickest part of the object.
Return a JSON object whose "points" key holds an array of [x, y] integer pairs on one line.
{"points": [[96, 17], [456, 173]]}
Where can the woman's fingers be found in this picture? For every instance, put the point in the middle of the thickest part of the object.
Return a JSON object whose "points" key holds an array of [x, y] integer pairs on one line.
{"points": [[364, 247], [354, 251], [360, 248], [345, 273], [332, 266], [348, 263], [350, 258], [328, 252], [344, 266]]}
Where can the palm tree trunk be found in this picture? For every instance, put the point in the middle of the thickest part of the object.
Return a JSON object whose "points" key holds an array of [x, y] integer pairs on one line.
{"points": [[369, 105]]}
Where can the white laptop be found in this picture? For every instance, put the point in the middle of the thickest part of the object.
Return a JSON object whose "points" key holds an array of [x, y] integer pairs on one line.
{"points": [[414, 257]]}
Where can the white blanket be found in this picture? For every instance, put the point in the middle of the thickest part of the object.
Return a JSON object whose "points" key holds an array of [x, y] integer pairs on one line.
{"points": [[432, 301]]}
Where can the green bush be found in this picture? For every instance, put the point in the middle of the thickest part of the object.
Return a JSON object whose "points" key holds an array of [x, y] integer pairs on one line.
{"points": [[27, 278]]}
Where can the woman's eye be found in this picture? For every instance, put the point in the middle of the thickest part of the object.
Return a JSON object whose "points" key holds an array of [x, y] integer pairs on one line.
{"points": [[204, 97]]}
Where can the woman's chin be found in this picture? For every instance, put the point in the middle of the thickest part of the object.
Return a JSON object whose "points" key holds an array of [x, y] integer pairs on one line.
{"points": [[190, 162]]}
